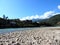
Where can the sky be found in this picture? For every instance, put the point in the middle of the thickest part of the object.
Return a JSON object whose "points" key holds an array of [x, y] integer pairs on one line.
{"points": [[29, 9]]}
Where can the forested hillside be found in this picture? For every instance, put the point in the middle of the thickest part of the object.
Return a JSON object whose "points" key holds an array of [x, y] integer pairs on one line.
{"points": [[54, 20], [15, 23]]}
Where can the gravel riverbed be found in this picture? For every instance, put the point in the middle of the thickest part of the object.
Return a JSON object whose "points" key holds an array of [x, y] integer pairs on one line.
{"points": [[37, 36]]}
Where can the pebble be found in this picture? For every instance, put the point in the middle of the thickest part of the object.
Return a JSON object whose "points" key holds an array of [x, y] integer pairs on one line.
{"points": [[39, 36]]}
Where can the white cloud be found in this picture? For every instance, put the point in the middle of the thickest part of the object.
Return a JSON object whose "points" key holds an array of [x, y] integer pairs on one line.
{"points": [[48, 14], [30, 17], [58, 6], [43, 16]]}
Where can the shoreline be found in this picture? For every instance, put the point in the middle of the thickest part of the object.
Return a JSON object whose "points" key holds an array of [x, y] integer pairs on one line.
{"points": [[36, 36]]}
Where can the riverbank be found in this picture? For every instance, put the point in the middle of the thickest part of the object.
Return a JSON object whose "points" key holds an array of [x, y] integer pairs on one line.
{"points": [[36, 36]]}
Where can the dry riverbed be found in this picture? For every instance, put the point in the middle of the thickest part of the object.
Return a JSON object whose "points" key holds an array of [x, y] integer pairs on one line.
{"points": [[36, 36]]}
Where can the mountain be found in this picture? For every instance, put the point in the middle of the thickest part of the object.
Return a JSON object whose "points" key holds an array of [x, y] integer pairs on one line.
{"points": [[36, 20], [14, 23], [54, 19]]}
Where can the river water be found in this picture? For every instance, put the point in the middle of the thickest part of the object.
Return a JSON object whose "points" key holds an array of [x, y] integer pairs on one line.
{"points": [[7, 30]]}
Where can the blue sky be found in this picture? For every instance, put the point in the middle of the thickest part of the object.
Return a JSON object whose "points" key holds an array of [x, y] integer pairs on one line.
{"points": [[29, 9]]}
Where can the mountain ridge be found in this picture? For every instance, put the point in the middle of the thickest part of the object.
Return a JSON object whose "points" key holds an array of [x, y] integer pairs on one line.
{"points": [[15, 23]]}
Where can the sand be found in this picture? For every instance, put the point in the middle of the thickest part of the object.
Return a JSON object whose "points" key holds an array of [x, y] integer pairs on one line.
{"points": [[36, 36]]}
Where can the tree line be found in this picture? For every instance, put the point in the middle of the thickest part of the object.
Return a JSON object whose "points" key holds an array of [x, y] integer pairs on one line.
{"points": [[17, 23]]}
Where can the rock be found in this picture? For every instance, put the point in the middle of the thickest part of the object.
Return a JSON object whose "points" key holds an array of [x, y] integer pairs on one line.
{"points": [[39, 36]]}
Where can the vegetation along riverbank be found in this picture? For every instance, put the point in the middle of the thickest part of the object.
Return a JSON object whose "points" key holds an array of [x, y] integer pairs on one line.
{"points": [[16, 23]]}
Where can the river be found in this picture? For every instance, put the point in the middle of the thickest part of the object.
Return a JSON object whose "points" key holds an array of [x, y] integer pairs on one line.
{"points": [[7, 30]]}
